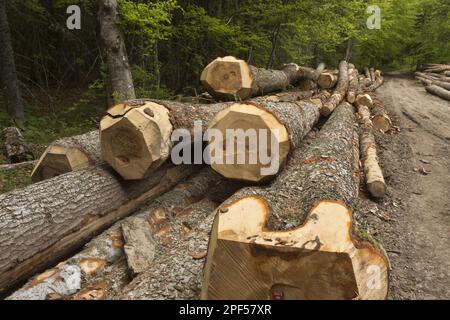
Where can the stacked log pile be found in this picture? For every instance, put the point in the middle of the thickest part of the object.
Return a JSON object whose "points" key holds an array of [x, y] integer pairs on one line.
{"points": [[436, 79], [148, 226]]}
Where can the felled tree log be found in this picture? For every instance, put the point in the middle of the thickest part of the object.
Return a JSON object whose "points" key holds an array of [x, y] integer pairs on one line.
{"points": [[372, 172], [352, 84], [135, 136], [327, 80], [235, 158], [380, 119], [177, 269], [438, 83], [16, 148], [102, 260], [307, 85], [364, 100], [340, 91], [229, 78], [68, 154], [368, 75], [312, 256], [372, 74], [375, 84], [47, 220], [438, 68], [438, 91]]}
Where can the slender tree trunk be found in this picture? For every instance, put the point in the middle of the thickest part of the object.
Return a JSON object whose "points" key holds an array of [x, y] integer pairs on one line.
{"points": [[348, 52], [276, 33], [115, 52], [8, 74]]}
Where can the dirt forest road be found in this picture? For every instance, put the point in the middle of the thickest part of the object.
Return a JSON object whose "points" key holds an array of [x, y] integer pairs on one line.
{"points": [[413, 222]]}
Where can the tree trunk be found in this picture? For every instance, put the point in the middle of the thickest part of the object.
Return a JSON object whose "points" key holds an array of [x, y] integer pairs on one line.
{"points": [[380, 118], [327, 80], [438, 91], [428, 82], [292, 121], [375, 84], [47, 220], [372, 74], [340, 91], [68, 154], [8, 74], [229, 78], [372, 172], [113, 44], [16, 148], [168, 219], [348, 51], [313, 256], [352, 84]]}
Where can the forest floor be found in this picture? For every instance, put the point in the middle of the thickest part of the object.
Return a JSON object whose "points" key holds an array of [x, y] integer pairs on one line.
{"points": [[413, 222]]}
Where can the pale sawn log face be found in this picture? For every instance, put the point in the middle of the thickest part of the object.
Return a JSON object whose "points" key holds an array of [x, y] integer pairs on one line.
{"points": [[38, 230], [318, 179], [68, 154], [233, 79], [292, 120]]}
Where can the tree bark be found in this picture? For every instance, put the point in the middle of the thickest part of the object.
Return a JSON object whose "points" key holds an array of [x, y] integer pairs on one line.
{"points": [[229, 78], [372, 172], [340, 91], [47, 220], [427, 82], [100, 270], [131, 121], [8, 74], [245, 261], [16, 148], [68, 154], [438, 91], [113, 44]]}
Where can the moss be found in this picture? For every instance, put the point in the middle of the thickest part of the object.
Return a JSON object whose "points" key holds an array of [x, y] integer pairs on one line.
{"points": [[18, 177]]}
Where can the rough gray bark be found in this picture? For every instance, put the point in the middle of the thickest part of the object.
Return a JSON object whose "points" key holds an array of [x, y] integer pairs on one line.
{"points": [[168, 218], [44, 221], [340, 91], [323, 168], [375, 84], [8, 74], [60, 157], [16, 148], [438, 91], [352, 84], [428, 82], [113, 46], [269, 80]]}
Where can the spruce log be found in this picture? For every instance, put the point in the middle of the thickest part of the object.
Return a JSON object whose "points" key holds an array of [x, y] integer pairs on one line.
{"points": [[47, 220], [427, 82], [375, 84], [290, 120], [438, 91], [364, 100], [229, 78], [102, 259], [327, 80], [16, 148], [313, 256], [368, 76], [372, 172], [340, 91], [372, 74], [380, 119], [352, 84], [68, 154], [135, 136]]}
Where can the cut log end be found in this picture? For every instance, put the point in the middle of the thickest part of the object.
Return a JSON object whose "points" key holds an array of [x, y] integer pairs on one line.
{"points": [[364, 100], [228, 78], [318, 260], [377, 188], [382, 122], [238, 153], [57, 160], [327, 80], [135, 141]]}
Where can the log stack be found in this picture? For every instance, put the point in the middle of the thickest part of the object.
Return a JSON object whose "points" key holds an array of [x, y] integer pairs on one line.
{"points": [[154, 227], [436, 79]]}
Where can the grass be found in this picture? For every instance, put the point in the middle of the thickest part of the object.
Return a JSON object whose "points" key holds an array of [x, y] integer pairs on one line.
{"points": [[71, 112], [18, 177]]}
